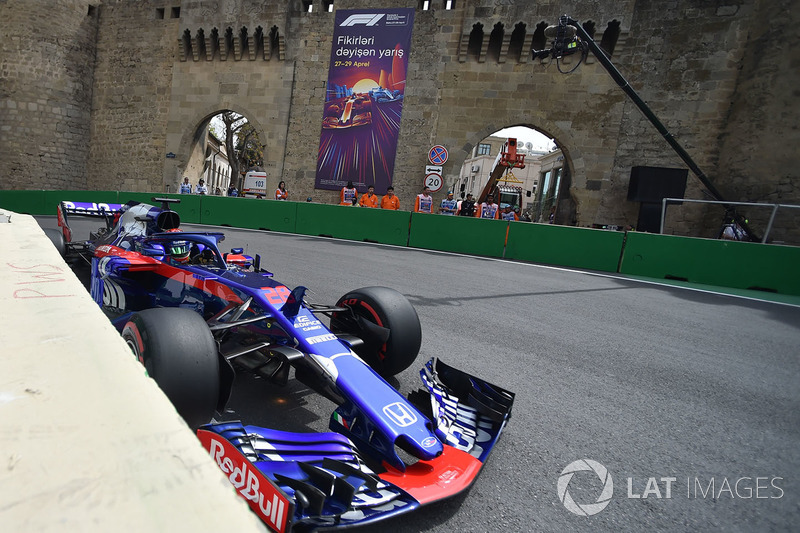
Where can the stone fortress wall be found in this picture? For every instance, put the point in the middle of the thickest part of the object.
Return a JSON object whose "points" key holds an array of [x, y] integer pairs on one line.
{"points": [[102, 94]]}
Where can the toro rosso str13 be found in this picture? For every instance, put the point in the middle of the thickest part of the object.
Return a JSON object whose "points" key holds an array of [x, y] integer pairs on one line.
{"points": [[192, 314]]}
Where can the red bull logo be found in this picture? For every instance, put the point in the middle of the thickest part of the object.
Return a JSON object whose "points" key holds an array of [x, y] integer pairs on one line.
{"points": [[266, 500]]}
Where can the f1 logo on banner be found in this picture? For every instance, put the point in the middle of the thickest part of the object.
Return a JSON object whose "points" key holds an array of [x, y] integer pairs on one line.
{"points": [[367, 19]]}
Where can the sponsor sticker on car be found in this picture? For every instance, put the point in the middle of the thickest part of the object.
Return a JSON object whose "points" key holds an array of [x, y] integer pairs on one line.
{"points": [[266, 500], [321, 338]]}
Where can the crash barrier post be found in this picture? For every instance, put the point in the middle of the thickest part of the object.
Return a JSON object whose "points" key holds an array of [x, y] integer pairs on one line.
{"points": [[90, 443], [739, 265], [250, 213], [353, 223], [592, 249], [464, 235]]}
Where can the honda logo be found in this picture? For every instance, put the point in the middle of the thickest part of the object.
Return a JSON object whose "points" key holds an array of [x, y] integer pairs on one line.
{"points": [[366, 19], [400, 414]]}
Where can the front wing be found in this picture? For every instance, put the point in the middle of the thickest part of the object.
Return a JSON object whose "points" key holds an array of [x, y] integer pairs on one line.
{"points": [[321, 481]]}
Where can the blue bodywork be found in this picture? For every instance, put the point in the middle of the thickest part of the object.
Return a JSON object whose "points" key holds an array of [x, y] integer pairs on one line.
{"points": [[131, 271]]}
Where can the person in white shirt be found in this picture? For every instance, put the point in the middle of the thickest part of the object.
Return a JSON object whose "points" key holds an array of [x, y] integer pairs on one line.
{"points": [[201, 188], [186, 187], [424, 202], [488, 209]]}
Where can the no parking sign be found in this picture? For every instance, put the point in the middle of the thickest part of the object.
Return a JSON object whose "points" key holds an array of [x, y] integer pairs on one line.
{"points": [[438, 155]]}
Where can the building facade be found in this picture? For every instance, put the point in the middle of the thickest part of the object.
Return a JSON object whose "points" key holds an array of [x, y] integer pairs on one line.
{"points": [[540, 167], [117, 94]]}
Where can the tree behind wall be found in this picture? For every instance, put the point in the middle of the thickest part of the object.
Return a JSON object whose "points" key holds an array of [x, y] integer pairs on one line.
{"points": [[241, 143]]}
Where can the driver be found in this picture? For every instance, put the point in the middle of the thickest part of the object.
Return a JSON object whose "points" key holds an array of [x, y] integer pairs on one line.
{"points": [[179, 251]]}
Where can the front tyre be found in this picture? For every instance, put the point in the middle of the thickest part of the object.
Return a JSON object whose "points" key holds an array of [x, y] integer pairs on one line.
{"points": [[178, 350], [388, 310]]}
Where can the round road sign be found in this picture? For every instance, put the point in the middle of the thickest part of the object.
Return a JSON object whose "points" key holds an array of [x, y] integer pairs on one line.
{"points": [[434, 182], [438, 155]]}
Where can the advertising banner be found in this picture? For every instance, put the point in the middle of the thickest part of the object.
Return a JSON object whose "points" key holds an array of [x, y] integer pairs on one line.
{"points": [[364, 98]]}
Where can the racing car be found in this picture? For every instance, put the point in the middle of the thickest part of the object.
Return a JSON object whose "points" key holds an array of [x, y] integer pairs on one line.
{"points": [[194, 316]]}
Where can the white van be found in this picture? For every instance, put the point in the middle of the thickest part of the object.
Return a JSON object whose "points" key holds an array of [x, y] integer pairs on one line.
{"points": [[255, 185]]}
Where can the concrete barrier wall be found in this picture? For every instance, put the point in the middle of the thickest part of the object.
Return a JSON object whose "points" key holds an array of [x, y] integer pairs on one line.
{"points": [[721, 263], [89, 442]]}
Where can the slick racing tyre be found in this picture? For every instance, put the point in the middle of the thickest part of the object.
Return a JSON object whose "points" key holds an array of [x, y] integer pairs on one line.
{"points": [[57, 238], [179, 352], [374, 311]]}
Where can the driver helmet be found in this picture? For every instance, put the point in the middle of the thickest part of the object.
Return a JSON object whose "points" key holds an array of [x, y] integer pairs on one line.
{"points": [[179, 250]]}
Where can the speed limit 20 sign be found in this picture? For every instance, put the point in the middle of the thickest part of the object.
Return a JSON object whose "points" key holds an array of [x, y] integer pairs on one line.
{"points": [[433, 177], [434, 182]]}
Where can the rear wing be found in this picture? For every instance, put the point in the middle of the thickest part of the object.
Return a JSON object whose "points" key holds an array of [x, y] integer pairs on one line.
{"points": [[87, 209]]}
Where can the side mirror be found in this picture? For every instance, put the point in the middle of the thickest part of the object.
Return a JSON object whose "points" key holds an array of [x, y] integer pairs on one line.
{"points": [[152, 249]]}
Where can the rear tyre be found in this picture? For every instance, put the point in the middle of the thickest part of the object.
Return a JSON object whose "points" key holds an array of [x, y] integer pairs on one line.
{"points": [[57, 238], [178, 350], [388, 309]]}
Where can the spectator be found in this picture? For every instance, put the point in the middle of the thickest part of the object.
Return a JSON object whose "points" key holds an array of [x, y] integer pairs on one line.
{"points": [[368, 199], [389, 200], [347, 194], [466, 208], [507, 213], [217, 192], [186, 187], [733, 231], [424, 202], [354, 202], [201, 188], [280, 192], [552, 218], [232, 191], [487, 209], [448, 206]]}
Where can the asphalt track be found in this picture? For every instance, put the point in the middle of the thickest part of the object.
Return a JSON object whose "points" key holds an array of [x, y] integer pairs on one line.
{"points": [[653, 382]]}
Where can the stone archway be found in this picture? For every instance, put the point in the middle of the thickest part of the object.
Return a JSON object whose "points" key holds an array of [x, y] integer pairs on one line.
{"points": [[573, 164], [190, 149]]}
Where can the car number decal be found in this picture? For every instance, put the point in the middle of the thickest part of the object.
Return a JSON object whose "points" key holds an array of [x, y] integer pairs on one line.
{"points": [[276, 295]]}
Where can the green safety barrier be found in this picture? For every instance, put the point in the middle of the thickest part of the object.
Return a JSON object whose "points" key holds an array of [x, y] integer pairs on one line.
{"points": [[593, 249], [740, 265], [27, 202], [249, 213], [39, 202], [353, 223], [464, 235]]}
